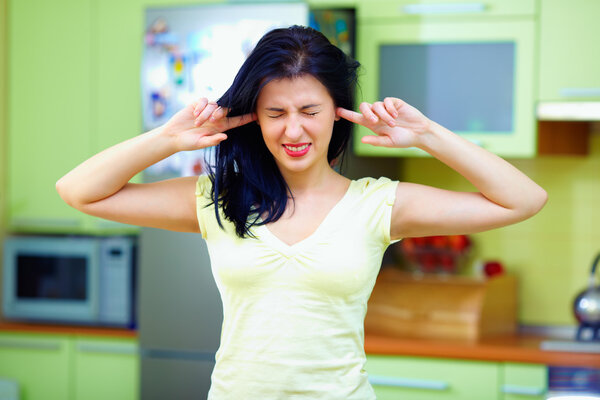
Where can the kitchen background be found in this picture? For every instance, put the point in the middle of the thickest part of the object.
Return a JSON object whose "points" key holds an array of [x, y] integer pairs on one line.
{"points": [[80, 92]]}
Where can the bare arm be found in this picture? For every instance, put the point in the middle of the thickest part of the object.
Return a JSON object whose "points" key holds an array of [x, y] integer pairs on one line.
{"points": [[505, 195], [100, 185]]}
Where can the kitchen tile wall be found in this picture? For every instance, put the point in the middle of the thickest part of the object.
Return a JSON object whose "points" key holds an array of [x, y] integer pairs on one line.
{"points": [[552, 252]]}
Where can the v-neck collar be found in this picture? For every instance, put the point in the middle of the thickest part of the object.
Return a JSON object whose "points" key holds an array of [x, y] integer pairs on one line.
{"points": [[266, 235]]}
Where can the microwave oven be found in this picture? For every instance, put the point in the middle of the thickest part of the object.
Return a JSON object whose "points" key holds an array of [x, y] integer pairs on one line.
{"points": [[76, 280]]}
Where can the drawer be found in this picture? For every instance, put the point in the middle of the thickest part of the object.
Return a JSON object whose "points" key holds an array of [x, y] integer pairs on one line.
{"points": [[443, 8], [523, 381], [395, 377]]}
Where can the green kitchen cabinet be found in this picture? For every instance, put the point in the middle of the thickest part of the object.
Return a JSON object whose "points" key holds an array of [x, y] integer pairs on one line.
{"points": [[569, 60], [106, 369], [67, 367], [520, 381], [419, 378], [469, 67], [39, 363], [332, 4], [396, 377], [54, 122], [49, 108]]}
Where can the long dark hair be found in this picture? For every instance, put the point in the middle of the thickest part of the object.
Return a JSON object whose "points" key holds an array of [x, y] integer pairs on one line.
{"points": [[246, 182]]}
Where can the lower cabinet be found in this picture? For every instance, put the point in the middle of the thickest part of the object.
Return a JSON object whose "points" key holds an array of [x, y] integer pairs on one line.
{"points": [[396, 378], [106, 369], [38, 363], [523, 381], [66, 367]]}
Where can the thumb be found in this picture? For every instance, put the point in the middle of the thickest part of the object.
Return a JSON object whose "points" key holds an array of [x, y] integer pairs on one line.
{"points": [[375, 140]]}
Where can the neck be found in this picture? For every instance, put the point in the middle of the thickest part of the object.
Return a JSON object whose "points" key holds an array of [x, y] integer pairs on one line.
{"points": [[311, 179]]}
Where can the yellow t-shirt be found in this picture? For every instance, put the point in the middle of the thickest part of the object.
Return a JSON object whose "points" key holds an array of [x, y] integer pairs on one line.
{"points": [[293, 324]]}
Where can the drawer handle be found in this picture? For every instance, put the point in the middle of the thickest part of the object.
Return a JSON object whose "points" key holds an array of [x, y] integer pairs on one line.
{"points": [[523, 390], [408, 383], [451, 8], [580, 92], [30, 345], [106, 348], [45, 222]]}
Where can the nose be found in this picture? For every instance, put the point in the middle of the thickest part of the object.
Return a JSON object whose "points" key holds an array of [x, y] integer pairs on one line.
{"points": [[293, 127]]}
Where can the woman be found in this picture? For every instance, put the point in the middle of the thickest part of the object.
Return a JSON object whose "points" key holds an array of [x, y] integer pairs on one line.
{"points": [[295, 247]]}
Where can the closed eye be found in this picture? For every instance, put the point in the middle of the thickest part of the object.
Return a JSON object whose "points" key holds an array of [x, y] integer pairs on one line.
{"points": [[274, 116], [312, 113]]}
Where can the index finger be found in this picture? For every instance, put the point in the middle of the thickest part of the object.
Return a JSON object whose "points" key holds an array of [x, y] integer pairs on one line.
{"points": [[234, 122], [351, 116]]}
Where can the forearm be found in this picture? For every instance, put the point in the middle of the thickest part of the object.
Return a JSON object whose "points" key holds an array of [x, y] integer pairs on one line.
{"points": [[107, 172], [495, 178]]}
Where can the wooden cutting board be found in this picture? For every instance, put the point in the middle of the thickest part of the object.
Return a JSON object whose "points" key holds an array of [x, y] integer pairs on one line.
{"points": [[434, 306]]}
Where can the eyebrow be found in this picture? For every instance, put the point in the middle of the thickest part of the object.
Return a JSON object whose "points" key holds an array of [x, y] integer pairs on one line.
{"points": [[282, 110]]}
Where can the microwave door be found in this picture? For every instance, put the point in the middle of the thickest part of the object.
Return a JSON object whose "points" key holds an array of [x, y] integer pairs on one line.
{"points": [[50, 280]]}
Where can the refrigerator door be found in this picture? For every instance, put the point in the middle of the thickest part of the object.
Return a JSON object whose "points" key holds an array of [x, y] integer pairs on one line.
{"points": [[180, 315], [175, 379]]}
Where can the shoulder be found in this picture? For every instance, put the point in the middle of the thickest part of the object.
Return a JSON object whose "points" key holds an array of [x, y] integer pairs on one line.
{"points": [[375, 187], [203, 186]]}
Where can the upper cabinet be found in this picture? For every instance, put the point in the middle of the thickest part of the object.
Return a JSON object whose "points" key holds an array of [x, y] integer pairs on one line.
{"points": [[49, 109], [569, 62], [569, 54], [74, 90], [468, 66]]}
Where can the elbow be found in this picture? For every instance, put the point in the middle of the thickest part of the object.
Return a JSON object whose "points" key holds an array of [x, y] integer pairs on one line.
{"points": [[61, 190], [65, 194], [536, 202]]}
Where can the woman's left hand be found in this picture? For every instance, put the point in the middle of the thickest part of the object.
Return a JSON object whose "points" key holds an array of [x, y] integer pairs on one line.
{"points": [[396, 123]]}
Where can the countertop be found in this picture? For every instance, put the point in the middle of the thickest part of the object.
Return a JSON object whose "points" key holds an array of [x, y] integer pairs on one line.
{"points": [[21, 327], [502, 348]]}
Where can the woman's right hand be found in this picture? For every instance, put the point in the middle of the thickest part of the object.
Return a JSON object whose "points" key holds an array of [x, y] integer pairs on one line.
{"points": [[201, 124]]}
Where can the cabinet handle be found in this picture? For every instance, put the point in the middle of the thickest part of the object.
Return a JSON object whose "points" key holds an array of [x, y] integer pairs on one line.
{"points": [[30, 345], [580, 92], [523, 390], [49, 222], [111, 348], [102, 223], [450, 8], [408, 383]]}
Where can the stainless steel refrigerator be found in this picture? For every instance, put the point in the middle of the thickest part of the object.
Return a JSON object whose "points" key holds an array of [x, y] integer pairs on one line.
{"points": [[179, 308]]}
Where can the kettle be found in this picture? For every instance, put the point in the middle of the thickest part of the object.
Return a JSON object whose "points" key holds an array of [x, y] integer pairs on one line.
{"points": [[587, 306]]}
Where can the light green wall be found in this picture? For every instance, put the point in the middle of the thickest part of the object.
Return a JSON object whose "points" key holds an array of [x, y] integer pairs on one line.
{"points": [[3, 113], [552, 252]]}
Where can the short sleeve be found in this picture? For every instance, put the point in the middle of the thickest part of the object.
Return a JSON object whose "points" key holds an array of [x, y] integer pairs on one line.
{"points": [[378, 197], [204, 209]]}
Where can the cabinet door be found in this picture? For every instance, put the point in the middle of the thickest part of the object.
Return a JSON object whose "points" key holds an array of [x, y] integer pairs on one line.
{"points": [[49, 108], [39, 363], [569, 61], [475, 77], [395, 377], [106, 369], [523, 381]]}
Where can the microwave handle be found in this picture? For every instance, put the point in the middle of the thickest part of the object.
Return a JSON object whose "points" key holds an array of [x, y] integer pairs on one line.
{"points": [[444, 8], [31, 344]]}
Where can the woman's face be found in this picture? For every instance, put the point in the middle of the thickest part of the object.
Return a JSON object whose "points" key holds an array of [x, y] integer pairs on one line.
{"points": [[296, 117]]}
